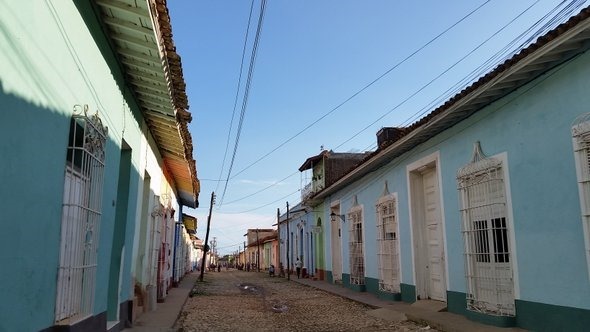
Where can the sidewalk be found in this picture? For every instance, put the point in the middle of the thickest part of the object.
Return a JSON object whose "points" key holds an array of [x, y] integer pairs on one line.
{"points": [[166, 314], [443, 321]]}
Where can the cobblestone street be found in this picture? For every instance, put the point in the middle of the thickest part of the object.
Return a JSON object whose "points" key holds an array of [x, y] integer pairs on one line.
{"points": [[250, 301]]}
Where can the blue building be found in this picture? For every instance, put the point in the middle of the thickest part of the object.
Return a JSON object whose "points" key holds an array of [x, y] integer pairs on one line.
{"points": [[96, 163], [483, 203]]}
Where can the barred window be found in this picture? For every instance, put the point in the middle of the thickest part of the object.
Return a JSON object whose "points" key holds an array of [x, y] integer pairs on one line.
{"points": [[388, 244], [80, 222], [490, 285], [357, 260], [581, 140]]}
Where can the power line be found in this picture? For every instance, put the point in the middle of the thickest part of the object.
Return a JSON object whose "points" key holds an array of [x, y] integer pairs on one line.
{"points": [[263, 189], [230, 245], [360, 91], [563, 13], [246, 94], [503, 54], [265, 205], [346, 101], [437, 77], [231, 124]]}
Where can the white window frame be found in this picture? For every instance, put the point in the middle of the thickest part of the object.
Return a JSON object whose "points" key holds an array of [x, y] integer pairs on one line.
{"points": [[81, 214], [581, 142], [487, 235], [388, 244], [356, 245]]}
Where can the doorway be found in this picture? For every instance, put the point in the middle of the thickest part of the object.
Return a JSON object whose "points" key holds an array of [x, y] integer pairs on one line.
{"points": [[428, 234], [336, 246]]}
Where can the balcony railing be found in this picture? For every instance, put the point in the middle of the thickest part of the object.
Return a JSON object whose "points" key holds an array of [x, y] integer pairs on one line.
{"points": [[306, 192]]}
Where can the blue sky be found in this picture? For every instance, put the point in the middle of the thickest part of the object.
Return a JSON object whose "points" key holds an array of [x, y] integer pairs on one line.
{"points": [[312, 56]]}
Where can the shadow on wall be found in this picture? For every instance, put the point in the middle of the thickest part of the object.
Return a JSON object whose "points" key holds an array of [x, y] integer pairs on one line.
{"points": [[33, 142], [33, 145]]}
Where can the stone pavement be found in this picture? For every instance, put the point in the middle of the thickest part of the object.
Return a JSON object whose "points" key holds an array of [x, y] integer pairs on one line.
{"points": [[389, 310], [166, 314]]}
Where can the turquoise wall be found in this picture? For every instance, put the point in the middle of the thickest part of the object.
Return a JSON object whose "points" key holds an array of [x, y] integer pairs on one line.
{"points": [[29, 241], [532, 126], [54, 58]]}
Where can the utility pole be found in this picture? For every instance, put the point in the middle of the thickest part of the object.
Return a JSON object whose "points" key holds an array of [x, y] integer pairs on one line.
{"points": [[206, 247], [245, 260], [279, 235], [288, 236]]}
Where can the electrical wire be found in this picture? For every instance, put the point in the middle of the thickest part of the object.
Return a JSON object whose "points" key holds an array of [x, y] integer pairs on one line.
{"points": [[437, 77], [246, 95], [263, 189], [374, 81], [501, 56], [566, 12], [231, 124], [358, 92]]}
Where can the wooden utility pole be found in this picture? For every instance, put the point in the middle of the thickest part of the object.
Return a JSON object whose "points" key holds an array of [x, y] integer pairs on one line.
{"points": [[279, 235], [206, 246], [288, 236]]}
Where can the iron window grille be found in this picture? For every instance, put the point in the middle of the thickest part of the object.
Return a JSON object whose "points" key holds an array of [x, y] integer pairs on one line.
{"points": [[388, 245], [581, 141], [357, 260], [486, 233], [81, 214]]}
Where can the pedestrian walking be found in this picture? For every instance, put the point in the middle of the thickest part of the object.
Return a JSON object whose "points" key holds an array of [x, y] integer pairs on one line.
{"points": [[298, 267]]}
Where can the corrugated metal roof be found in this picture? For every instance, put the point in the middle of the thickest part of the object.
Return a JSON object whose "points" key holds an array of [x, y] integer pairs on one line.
{"points": [[141, 34], [550, 50]]}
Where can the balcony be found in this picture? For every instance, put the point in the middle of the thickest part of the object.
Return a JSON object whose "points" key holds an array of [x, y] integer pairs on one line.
{"points": [[310, 189]]}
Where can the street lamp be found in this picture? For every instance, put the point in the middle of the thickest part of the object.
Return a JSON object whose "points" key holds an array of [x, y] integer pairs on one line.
{"points": [[334, 215]]}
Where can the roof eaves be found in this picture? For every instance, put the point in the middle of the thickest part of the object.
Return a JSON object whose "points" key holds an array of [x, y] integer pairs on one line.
{"points": [[177, 90]]}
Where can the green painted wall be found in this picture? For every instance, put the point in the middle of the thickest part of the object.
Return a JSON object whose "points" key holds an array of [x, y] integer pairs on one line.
{"points": [[408, 293], [320, 255], [346, 279], [30, 227], [546, 317], [119, 235], [329, 277], [372, 285], [53, 58], [457, 303], [529, 315]]}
